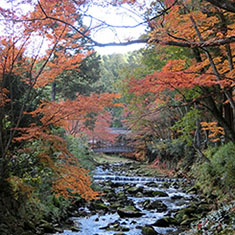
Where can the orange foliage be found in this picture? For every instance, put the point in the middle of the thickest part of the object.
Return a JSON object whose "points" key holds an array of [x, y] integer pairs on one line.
{"points": [[175, 75], [12, 60], [97, 131], [100, 131], [73, 179], [214, 129], [3, 96], [70, 177], [49, 21], [59, 113]]}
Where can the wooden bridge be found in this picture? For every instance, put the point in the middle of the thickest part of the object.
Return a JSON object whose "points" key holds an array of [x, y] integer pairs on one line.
{"points": [[114, 149], [121, 146]]}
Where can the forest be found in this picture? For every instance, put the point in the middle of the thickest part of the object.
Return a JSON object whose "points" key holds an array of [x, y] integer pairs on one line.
{"points": [[58, 96]]}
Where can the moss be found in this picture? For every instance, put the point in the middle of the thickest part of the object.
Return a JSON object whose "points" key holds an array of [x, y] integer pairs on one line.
{"points": [[217, 177]]}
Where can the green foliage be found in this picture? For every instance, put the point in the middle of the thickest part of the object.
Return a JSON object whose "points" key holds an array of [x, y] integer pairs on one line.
{"points": [[54, 208], [187, 125], [111, 71], [83, 81], [78, 146], [20, 100], [224, 165], [168, 151], [28, 167], [25, 192], [218, 176]]}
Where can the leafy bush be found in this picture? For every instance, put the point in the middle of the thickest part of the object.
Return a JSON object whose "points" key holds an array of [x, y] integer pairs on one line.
{"points": [[78, 146], [168, 151], [224, 165], [218, 176], [26, 196], [186, 125]]}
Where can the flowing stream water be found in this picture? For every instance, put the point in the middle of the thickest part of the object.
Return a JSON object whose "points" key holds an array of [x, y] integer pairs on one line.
{"points": [[104, 223]]}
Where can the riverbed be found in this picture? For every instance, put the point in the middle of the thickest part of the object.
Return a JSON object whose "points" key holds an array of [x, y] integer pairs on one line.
{"points": [[133, 204]]}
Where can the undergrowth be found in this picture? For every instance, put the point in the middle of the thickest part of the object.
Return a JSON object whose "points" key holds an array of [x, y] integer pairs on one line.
{"points": [[217, 177]]}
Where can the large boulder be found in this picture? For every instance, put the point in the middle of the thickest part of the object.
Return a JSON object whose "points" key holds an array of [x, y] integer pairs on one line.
{"points": [[154, 205], [148, 230], [98, 205], [130, 212], [165, 222], [154, 193], [134, 190]]}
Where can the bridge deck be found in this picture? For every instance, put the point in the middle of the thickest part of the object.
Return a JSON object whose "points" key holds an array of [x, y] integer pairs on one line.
{"points": [[114, 149]]}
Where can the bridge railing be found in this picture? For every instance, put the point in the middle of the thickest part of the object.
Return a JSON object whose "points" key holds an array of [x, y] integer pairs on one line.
{"points": [[114, 149]]}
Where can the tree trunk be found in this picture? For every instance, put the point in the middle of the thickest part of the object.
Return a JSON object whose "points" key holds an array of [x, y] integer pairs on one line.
{"points": [[53, 91]]}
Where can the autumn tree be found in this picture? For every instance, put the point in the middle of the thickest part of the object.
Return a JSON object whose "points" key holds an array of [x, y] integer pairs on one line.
{"points": [[201, 27], [83, 81], [196, 44], [27, 69], [214, 69]]}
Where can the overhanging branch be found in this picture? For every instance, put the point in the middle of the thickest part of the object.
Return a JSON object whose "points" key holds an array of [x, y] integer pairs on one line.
{"points": [[188, 44], [224, 4]]}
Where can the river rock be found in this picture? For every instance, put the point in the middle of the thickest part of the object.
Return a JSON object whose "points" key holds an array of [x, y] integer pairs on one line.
{"points": [[148, 230], [166, 185], [129, 212], [165, 222], [187, 215], [135, 190], [114, 205], [152, 184], [47, 227], [115, 226], [148, 205], [98, 205], [176, 197], [154, 193]]}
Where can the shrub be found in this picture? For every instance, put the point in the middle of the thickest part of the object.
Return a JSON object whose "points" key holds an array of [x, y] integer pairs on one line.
{"points": [[218, 176], [167, 151], [78, 146]]}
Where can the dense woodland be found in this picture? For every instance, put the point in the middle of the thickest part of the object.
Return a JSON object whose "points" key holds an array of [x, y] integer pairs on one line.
{"points": [[176, 96]]}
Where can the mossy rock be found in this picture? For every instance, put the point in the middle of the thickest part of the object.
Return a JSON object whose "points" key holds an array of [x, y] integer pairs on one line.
{"points": [[129, 212], [186, 214], [152, 184], [115, 205], [115, 227], [47, 227], [154, 193], [159, 206], [166, 222], [134, 190], [121, 194], [148, 230], [188, 221], [99, 206]]}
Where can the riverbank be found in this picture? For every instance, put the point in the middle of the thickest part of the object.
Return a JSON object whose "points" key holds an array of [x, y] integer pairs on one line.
{"points": [[137, 167], [136, 199], [134, 203]]}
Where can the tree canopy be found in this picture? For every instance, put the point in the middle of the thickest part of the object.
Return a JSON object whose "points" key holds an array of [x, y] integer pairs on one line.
{"points": [[179, 89]]}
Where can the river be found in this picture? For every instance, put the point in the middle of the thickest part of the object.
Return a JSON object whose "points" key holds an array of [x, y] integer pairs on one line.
{"points": [[130, 203]]}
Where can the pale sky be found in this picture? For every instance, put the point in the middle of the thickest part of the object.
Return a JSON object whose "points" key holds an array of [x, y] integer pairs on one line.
{"points": [[113, 16], [120, 17]]}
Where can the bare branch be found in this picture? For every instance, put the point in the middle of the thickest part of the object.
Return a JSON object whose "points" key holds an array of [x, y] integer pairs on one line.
{"points": [[224, 4]]}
